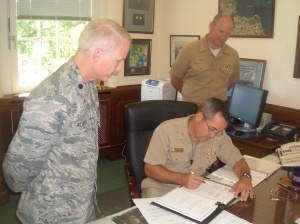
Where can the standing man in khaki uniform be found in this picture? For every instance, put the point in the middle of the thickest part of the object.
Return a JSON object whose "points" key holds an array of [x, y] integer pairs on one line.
{"points": [[179, 146], [207, 67]]}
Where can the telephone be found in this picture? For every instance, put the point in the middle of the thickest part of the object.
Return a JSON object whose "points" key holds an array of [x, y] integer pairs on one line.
{"points": [[280, 131], [289, 154]]}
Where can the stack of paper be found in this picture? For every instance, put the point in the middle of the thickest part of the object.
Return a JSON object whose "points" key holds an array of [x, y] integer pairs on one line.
{"points": [[260, 170], [197, 204], [183, 205], [157, 215]]}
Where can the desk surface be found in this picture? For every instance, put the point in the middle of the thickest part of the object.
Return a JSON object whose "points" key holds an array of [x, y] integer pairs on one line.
{"points": [[264, 143], [261, 210], [254, 148]]}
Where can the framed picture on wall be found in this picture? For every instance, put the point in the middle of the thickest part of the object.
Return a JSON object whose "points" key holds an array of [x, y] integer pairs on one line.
{"points": [[252, 18], [177, 42], [138, 60], [297, 57], [252, 72], [138, 16]]}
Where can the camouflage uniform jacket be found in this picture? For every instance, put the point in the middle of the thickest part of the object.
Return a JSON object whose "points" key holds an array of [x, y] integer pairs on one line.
{"points": [[52, 158]]}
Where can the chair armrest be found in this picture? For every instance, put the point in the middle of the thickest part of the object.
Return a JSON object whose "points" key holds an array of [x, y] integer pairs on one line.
{"points": [[132, 183]]}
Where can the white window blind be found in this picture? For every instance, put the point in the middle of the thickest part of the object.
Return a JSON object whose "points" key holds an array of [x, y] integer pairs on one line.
{"points": [[80, 10]]}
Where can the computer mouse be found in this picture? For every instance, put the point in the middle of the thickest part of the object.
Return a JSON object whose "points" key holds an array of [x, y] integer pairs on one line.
{"points": [[239, 133]]}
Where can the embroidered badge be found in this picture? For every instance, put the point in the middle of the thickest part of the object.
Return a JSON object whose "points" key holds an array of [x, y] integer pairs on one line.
{"points": [[226, 67], [210, 154]]}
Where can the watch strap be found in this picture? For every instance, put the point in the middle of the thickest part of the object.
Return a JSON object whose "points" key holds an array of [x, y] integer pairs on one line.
{"points": [[248, 175]]}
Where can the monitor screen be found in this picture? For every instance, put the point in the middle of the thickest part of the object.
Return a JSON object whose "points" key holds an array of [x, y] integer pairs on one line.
{"points": [[247, 104]]}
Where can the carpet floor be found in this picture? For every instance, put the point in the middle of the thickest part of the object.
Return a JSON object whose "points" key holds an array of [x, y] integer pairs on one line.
{"points": [[112, 192]]}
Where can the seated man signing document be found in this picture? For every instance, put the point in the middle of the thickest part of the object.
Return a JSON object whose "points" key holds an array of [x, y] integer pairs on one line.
{"points": [[182, 149]]}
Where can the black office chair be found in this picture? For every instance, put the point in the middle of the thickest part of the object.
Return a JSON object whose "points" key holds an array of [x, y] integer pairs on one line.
{"points": [[141, 119]]}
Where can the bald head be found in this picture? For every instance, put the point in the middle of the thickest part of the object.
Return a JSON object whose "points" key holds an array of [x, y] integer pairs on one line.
{"points": [[222, 16], [219, 30]]}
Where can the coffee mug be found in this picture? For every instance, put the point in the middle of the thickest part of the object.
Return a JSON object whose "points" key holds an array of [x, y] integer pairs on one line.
{"points": [[295, 176]]}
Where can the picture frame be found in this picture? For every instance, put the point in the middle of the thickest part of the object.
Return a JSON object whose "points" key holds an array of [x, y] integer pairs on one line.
{"points": [[297, 55], [138, 60], [177, 42], [138, 16], [252, 18], [252, 71]]}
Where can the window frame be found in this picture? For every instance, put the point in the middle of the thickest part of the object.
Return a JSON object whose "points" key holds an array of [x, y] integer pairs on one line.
{"points": [[9, 57]]}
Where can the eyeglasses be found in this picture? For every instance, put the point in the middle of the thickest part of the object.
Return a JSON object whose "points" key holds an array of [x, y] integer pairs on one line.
{"points": [[280, 193], [211, 129]]}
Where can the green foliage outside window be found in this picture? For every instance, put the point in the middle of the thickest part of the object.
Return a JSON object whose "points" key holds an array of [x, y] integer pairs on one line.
{"points": [[44, 45]]}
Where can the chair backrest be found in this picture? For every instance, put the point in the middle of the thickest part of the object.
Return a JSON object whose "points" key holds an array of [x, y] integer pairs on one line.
{"points": [[141, 119]]}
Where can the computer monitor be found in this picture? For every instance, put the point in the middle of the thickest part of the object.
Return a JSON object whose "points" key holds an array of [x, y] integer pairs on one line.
{"points": [[247, 104]]}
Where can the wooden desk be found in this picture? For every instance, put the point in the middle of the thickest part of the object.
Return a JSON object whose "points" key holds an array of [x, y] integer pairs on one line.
{"points": [[261, 210], [257, 149]]}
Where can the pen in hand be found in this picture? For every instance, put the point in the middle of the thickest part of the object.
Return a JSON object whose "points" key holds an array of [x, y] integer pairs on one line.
{"points": [[191, 172]]}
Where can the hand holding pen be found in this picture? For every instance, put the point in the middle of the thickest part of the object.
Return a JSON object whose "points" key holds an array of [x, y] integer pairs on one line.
{"points": [[195, 180]]}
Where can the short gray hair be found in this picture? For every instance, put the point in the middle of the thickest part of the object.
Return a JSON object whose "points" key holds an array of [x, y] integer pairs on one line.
{"points": [[213, 105], [103, 33]]}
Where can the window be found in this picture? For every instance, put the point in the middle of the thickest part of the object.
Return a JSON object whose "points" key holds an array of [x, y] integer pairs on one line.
{"points": [[43, 45], [41, 36]]}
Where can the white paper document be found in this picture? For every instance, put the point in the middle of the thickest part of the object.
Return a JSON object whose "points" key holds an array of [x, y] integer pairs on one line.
{"points": [[196, 204], [227, 218], [261, 166], [274, 158], [260, 170], [157, 215]]}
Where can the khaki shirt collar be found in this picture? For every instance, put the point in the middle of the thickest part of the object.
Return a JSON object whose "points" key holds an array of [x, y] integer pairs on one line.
{"points": [[203, 46], [183, 132]]}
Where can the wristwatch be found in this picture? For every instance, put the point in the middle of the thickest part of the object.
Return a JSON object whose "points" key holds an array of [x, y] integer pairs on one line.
{"points": [[248, 175]]}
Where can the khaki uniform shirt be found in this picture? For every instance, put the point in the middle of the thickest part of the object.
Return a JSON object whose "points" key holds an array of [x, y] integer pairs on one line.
{"points": [[52, 158], [203, 74], [172, 148]]}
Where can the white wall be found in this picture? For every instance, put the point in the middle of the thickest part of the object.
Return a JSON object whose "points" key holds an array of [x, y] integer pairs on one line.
{"points": [[191, 17], [114, 10], [1, 74]]}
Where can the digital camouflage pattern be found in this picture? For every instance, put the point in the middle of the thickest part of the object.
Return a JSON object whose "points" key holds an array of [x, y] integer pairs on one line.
{"points": [[52, 158]]}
